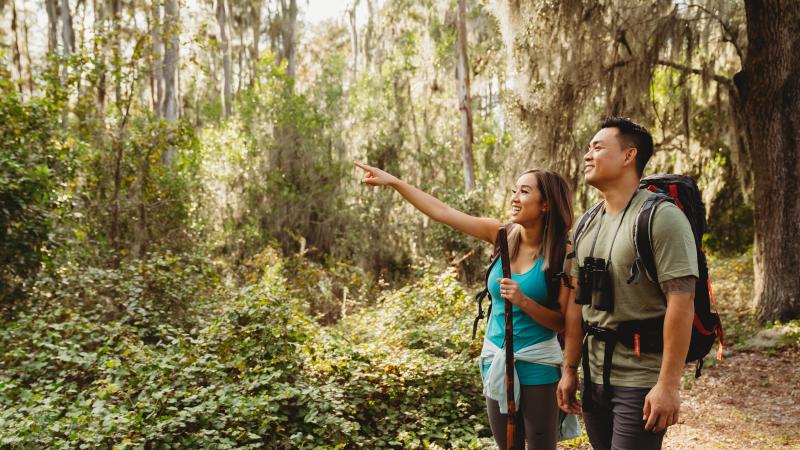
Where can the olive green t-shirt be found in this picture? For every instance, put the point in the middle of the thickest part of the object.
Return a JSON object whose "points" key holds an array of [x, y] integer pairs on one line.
{"points": [[675, 256]]}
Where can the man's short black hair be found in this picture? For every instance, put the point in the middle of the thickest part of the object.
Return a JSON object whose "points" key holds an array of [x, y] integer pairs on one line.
{"points": [[632, 134]]}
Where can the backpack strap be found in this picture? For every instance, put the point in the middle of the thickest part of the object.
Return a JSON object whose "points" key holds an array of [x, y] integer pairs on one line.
{"points": [[565, 277], [479, 298], [643, 240], [482, 294], [556, 279], [582, 223]]}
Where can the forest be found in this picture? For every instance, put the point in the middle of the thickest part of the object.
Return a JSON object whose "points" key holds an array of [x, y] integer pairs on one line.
{"points": [[188, 257]]}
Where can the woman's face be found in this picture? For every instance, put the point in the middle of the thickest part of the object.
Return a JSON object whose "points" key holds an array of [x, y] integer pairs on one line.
{"points": [[527, 206]]}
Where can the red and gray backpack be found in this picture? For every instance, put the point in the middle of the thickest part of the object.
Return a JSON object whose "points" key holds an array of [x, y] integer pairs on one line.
{"points": [[647, 335], [684, 193]]}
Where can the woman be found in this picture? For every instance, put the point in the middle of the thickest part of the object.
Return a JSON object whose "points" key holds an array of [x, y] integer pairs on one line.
{"points": [[541, 215]]}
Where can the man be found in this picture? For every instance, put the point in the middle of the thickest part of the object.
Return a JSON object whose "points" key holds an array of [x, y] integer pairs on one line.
{"points": [[629, 403]]}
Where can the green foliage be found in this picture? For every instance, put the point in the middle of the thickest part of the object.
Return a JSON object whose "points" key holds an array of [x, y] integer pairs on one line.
{"points": [[451, 245], [155, 210], [292, 187], [406, 368], [34, 161], [732, 283], [333, 288], [100, 358]]}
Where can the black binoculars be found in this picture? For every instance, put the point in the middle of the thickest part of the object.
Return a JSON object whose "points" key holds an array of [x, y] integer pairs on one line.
{"points": [[595, 276]]}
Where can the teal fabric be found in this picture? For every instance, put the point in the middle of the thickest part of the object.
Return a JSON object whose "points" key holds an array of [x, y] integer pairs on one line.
{"points": [[526, 330]]}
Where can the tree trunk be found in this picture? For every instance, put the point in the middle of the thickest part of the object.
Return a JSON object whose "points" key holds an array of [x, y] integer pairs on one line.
{"points": [[52, 28], [67, 42], [67, 36], [16, 54], [256, 24], [170, 102], [157, 71], [118, 147], [116, 7], [351, 15], [170, 36], [226, 56], [25, 28], [369, 33], [240, 52], [464, 101], [769, 91], [141, 241], [100, 54], [289, 20]]}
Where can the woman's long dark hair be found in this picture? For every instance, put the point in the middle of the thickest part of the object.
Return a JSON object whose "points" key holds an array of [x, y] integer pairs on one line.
{"points": [[557, 220]]}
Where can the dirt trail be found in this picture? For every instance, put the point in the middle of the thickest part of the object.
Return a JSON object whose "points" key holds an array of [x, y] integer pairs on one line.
{"points": [[751, 400]]}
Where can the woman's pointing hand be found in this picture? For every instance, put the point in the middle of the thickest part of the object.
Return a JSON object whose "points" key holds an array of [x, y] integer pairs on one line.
{"points": [[375, 176]]}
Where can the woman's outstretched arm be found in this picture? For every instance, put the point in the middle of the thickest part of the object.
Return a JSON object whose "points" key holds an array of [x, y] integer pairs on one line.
{"points": [[483, 228]]}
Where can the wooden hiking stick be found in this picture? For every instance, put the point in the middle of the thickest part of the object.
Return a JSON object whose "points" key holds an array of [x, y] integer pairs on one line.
{"points": [[511, 425]]}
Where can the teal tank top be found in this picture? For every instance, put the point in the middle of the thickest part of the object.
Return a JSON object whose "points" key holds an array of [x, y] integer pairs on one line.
{"points": [[526, 330]]}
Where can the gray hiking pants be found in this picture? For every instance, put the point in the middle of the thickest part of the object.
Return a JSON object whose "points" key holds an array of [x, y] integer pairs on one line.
{"points": [[537, 419], [617, 424]]}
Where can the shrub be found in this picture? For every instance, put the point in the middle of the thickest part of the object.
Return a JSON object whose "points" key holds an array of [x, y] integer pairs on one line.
{"points": [[32, 157], [238, 367]]}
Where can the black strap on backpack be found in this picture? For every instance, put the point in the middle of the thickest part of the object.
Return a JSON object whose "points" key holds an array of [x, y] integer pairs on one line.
{"points": [[483, 293], [580, 227], [642, 240]]}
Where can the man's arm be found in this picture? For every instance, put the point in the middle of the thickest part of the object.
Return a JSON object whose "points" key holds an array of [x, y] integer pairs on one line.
{"points": [[662, 404], [573, 337]]}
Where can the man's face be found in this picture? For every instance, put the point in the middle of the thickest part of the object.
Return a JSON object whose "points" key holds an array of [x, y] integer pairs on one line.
{"points": [[605, 159]]}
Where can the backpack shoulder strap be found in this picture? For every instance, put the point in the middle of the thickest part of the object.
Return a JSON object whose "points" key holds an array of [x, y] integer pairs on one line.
{"points": [[496, 250], [483, 293], [569, 253], [643, 240], [557, 276], [583, 222]]}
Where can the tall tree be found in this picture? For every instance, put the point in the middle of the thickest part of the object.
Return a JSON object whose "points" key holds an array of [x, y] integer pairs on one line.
{"points": [[29, 59], [464, 100], [171, 44], [351, 16], [769, 91], [289, 34], [100, 53], [116, 50], [256, 29], [16, 54], [68, 43], [369, 33], [226, 56], [52, 25], [156, 65], [67, 35]]}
